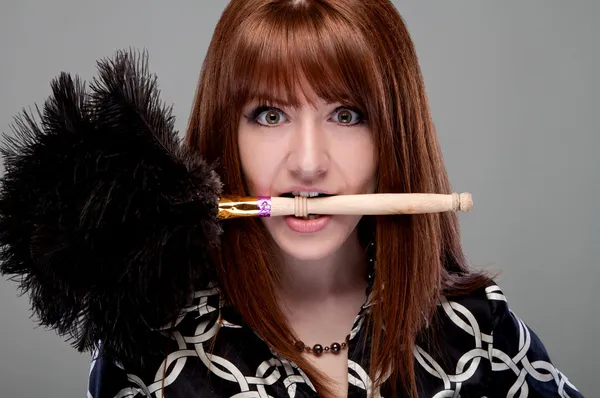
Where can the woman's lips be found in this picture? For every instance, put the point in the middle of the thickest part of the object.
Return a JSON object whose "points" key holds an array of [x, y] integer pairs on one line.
{"points": [[305, 226]]}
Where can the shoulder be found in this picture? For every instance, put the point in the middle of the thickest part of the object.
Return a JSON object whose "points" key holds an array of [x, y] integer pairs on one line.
{"points": [[197, 324], [480, 339], [208, 352], [478, 314]]}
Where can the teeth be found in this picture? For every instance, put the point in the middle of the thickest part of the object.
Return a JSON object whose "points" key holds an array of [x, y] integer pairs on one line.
{"points": [[306, 194], [310, 217]]}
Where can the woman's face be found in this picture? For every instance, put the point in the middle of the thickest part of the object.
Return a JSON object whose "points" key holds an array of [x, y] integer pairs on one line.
{"points": [[323, 148]]}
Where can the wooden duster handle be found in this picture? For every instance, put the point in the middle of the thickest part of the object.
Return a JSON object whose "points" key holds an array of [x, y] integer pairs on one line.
{"points": [[371, 204], [364, 204]]}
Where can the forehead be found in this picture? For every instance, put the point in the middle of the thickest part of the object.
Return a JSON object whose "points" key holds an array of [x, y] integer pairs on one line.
{"points": [[300, 98], [300, 62], [300, 94]]}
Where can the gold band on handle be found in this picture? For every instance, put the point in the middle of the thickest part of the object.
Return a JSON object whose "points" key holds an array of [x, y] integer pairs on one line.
{"points": [[244, 206]]}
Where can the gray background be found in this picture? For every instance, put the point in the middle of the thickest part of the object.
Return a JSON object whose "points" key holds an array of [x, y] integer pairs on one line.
{"points": [[514, 90]]}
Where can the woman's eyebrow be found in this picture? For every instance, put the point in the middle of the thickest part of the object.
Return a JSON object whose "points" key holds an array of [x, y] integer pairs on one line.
{"points": [[270, 100], [280, 102]]}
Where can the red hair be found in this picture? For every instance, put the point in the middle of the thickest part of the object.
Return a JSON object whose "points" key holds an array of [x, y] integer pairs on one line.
{"points": [[358, 53]]}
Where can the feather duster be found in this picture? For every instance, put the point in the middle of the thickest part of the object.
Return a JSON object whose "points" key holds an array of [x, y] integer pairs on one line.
{"points": [[95, 221]]}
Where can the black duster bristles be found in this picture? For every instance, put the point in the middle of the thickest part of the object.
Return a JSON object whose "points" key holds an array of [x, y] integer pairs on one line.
{"points": [[106, 220]]}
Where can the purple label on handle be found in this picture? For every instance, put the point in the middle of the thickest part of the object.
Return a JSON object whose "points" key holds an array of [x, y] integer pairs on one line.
{"points": [[264, 206]]}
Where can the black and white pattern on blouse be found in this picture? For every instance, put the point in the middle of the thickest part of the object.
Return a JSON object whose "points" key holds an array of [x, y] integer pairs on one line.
{"points": [[476, 347]]}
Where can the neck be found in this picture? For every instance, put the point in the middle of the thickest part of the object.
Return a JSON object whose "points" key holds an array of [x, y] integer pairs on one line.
{"points": [[339, 274]]}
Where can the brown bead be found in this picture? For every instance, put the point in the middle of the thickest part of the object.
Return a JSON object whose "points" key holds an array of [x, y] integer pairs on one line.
{"points": [[336, 347], [299, 346], [318, 349], [326, 348], [344, 345]]}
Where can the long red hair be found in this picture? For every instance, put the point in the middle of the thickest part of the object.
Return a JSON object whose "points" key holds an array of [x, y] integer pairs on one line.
{"points": [[358, 53]]}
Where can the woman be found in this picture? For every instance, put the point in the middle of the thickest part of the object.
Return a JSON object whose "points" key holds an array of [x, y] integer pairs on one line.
{"points": [[326, 97]]}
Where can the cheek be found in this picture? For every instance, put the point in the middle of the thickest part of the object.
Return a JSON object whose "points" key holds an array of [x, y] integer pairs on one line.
{"points": [[357, 159], [258, 168]]}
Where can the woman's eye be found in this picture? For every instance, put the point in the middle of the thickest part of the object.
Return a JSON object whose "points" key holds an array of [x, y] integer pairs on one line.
{"points": [[270, 117], [347, 116]]}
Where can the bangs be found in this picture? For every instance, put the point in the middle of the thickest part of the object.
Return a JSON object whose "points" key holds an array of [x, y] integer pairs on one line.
{"points": [[283, 53]]}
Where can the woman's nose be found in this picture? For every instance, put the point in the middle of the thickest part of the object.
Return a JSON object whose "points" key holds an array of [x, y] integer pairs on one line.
{"points": [[309, 155]]}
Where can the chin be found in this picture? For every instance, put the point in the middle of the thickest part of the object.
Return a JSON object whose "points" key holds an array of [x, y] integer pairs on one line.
{"points": [[306, 242]]}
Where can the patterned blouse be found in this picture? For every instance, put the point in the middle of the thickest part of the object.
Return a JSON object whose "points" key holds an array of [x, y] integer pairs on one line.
{"points": [[482, 350]]}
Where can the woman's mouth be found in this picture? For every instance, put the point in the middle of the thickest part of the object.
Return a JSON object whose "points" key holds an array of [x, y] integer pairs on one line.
{"points": [[307, 195], [310, 224], [313, 222]]}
